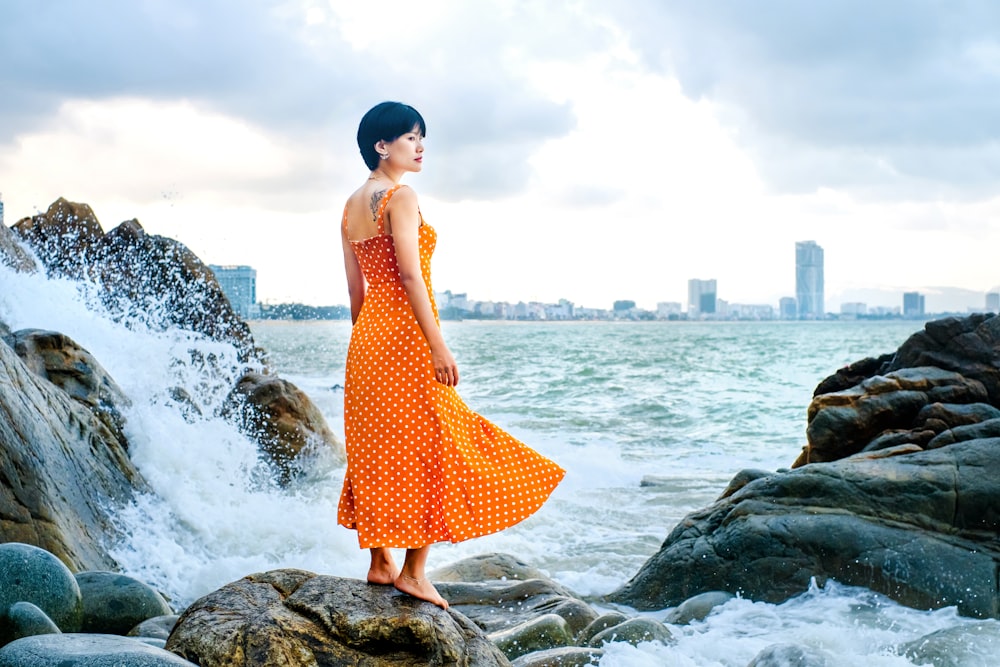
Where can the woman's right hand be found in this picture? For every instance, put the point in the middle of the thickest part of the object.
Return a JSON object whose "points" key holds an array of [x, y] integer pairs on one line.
{"points": [[445, 368]]}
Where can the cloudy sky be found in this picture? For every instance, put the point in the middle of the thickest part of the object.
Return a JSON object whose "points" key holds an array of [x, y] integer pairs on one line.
{"points": [[584, 149]]}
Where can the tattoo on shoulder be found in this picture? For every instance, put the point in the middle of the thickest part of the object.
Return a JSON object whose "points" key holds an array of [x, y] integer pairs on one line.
{"points": [[376, 198]]}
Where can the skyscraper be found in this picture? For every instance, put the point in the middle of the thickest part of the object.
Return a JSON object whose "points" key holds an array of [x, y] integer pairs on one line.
{"points": [[809, 280], [913, 304], [701, 297], [239, 284]]}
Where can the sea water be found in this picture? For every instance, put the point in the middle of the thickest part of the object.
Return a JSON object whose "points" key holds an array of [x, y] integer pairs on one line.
{"points": [[683, 406]]}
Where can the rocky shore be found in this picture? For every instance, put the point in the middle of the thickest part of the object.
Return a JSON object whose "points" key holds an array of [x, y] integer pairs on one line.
{"points": [[897, 490]]}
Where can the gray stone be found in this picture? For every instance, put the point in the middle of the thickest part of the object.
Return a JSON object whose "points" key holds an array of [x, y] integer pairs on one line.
{"points": [[698, 607], [157, 627], [299, 619], [495, 605], [742, 478], [987, 429], [633, 631], [602, 622], [487, 567], [540, 633], [920, 528], [565, 656], [958, 646], [957, 414], [86, 650], [791, 655], [24, 619], [30, 574], [115, 603], [13, 254]]}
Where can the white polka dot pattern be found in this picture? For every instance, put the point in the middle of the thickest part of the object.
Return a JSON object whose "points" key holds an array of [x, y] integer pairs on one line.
{"points": [[421, 466]]}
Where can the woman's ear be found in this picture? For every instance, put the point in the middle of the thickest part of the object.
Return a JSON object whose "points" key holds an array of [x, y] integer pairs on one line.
{"points": [[381, 148]]}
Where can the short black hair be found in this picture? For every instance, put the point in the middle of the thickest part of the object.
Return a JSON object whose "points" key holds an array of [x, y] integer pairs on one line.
{"points": [[386, 121]]}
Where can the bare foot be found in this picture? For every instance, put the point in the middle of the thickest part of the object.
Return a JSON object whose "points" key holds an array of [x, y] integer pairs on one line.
{"points": [[420, 588], [383, 569]]}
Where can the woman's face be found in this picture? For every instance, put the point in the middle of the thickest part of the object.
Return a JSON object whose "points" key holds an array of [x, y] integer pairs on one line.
{"points": [[407, 151]]}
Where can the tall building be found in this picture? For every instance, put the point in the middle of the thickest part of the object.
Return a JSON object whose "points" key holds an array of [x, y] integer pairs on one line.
{"points": [[1, 209], [993, 302], [702, 296], [788, 308], [239, 284], [913, 304], [809, 280]]}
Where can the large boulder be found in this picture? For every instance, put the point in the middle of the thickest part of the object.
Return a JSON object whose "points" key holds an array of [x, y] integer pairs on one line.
{"points": [[63, 471], [60, 360], [920, 527], [296, 618], [912, 396], [281, 419]]}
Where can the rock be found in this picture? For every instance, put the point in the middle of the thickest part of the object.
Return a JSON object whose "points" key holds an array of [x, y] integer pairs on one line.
{"points": [[959, 646], [163, 283], [281, 419], [58, 359], [540, 633], [741, 479], [957, 414], [920, 528], [602, 622], [843, 423], [63, 237], [158, 627], [487, 567], [633, 631], [788, 655], [63, 472], [13, 254], [24, 619], [566, 656], [987, 429], [85, 650], [115, 603], [497, 605], [296, 618], [30, 574], [698, 607], [854, 374]]}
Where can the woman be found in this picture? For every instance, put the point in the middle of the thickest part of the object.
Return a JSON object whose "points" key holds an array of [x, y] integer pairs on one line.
{"points": [[421, 466]]}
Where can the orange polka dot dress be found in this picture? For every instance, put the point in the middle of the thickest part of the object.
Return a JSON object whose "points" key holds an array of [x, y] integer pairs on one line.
{"points": [[421, 466]]}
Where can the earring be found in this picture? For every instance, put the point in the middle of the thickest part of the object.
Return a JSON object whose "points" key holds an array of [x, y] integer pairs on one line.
{"points": [[384, 156]]}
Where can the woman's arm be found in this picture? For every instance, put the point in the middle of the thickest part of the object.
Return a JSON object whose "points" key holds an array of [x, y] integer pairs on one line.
{"points": [[404, 223], [355, 278]]}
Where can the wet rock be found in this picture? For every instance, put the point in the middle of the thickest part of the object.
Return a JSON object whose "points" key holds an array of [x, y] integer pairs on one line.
{"points": [[987, 429], [487, 567], [633, 631], [497, 605], [920, 528], [60, 360], [567, 656], [24, 619], [13, 254], [63, 471], [854, 374], [742, 478], [843, 423], [115, 603], [63, 237], [698, 607], [281, 419], [85, 650], [791, 655], [602, 622], [541, 633], [30, 574], [158, 627], [960, 646], [296, 618]]}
